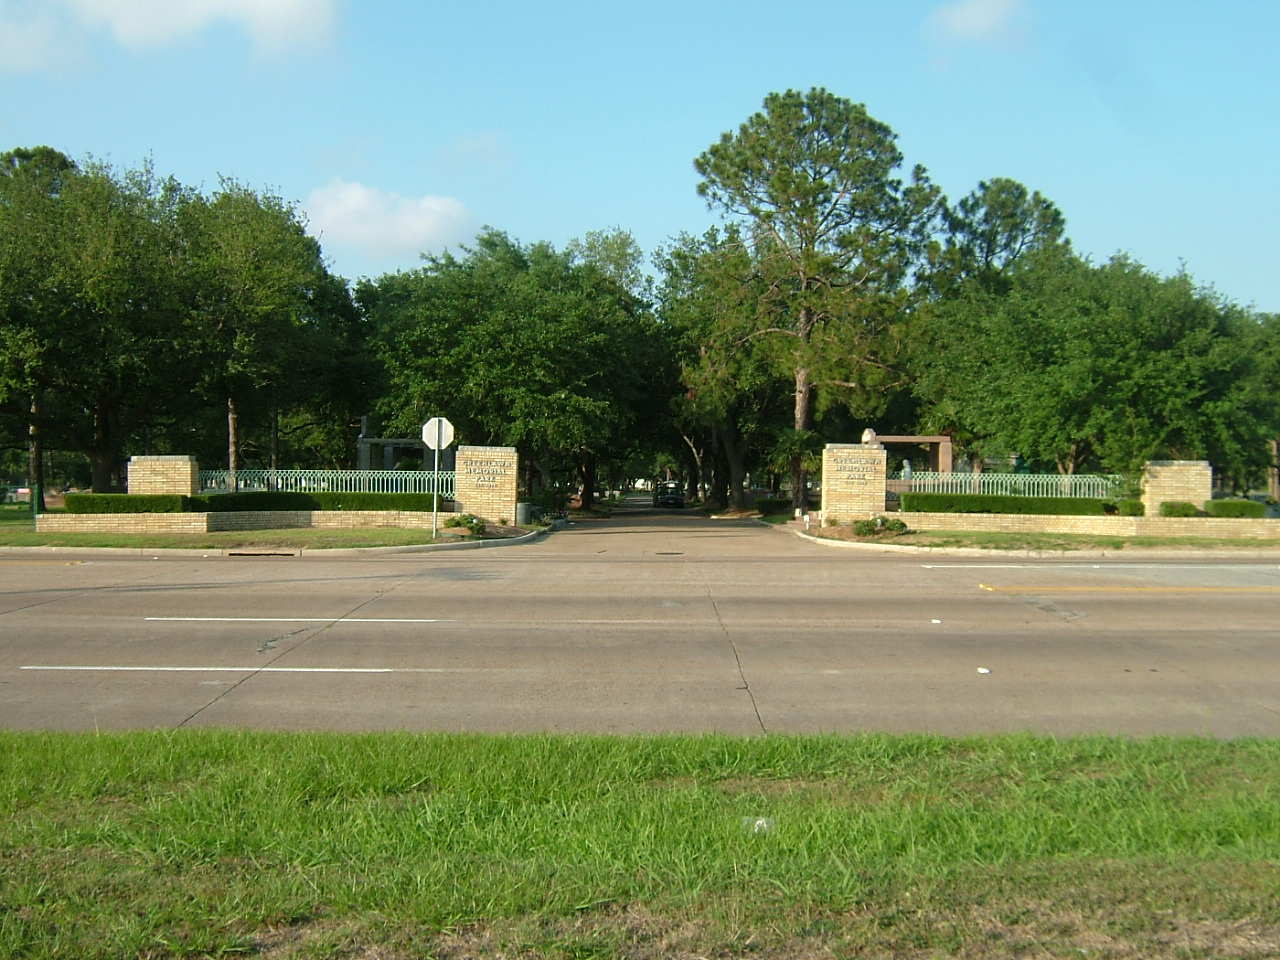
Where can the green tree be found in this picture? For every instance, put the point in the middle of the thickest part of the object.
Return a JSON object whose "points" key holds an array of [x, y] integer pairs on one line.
{"points": [[1111, 365], [251, 274], [733, 401], [835, 235], [518, 345], [31, 179]]}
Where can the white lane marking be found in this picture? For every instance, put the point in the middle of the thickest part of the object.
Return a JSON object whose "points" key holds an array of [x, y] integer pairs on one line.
{"points": [[287, 620], [1099, 566], [261, 669]]}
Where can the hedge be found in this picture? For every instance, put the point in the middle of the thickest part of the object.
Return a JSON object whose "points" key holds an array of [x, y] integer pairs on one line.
{"points": [[1236, 508], [1178, 508], [228, 502], [1131, 508], [126, 503], [319, 500], [993, 503]]}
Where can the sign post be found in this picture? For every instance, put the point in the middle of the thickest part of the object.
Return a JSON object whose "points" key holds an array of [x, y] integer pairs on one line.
{"points": [[437, 434]]}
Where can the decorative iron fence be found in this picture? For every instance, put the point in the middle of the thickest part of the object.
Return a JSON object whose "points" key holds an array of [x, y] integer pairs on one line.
{"points": [[1011, 484], [334, 481]]}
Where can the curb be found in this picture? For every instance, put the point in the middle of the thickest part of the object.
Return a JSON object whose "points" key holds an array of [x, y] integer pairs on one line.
{"points": [[180, 552], [1192, 553]]}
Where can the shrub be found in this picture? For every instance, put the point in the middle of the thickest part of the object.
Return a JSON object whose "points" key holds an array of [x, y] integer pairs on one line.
{"points": [[993, 503], [1235, 508], [878, 525], [1130, 508], [1178, 508], [473, 523], [127, 503]]}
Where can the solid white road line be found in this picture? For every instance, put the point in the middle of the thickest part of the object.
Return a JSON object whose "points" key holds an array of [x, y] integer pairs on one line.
{"points": [[1099, 566], [287, 620], [260, 669]]}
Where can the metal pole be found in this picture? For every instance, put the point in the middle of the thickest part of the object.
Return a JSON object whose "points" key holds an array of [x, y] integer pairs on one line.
{"points": [[435, 485]]}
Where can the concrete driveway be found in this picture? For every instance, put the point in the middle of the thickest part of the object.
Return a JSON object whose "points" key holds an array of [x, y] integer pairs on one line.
{"points": [[652, 621]]}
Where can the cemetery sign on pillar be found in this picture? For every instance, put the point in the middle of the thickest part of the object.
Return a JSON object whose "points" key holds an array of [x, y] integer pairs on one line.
{"points": [[853, 481], [485, 483]]}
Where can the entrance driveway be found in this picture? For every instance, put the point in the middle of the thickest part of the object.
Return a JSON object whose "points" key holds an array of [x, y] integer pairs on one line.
{"points": [[651, 621]]}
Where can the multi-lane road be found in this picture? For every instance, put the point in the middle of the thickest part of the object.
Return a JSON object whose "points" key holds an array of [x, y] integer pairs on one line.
{"points": [[647, 622]]}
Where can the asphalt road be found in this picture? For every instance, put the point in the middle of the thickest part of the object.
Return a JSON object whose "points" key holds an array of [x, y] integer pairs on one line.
{"points": [[652, 621]]}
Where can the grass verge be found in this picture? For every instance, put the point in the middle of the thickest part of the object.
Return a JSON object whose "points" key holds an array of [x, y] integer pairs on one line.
{"points": [[290, 539], [210, 843], [1044, 541]]}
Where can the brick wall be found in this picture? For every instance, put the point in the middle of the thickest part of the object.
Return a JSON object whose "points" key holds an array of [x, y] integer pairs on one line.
{"points": [[164, 475], [121, 523], [1104, 526], [1166, 480], [485, 482], [853, 481], [239, 520], [322, 519]]}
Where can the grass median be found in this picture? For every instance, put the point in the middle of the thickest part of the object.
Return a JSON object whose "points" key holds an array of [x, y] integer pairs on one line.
{"points": [[1047, 542], [215, 843]]}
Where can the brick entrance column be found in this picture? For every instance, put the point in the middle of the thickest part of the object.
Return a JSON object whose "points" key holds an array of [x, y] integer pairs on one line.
{"points": [[1165, 480], [485, 482], [853, 481], [164, 475]]}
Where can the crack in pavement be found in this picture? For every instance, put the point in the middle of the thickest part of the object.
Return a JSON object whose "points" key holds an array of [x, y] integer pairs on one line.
{"points": [[378, 595], [737, 659]]}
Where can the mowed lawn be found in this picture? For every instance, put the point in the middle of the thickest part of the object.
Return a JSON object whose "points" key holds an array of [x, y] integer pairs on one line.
{"points": [[217, 843]]}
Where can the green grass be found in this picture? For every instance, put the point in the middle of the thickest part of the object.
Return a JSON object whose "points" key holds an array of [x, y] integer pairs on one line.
{"points": [[1069, 541], [14, 515], [778, 518], [319, 845], [291, 539]]}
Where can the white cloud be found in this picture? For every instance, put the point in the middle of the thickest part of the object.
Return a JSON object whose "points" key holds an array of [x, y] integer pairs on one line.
{"points": [[29, 37], [382, 224], [33, 33], [976, 20]]}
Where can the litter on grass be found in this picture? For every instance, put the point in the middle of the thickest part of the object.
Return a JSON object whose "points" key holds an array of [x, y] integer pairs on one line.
{"points": [[757, 824]]}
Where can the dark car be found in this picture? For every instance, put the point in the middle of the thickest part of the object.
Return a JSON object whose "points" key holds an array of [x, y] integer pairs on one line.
{"points": [[668, 493]]}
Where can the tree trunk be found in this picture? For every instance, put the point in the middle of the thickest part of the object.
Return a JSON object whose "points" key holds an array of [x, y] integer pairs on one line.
{"points": [[719, 497], [588, 494], [275, 444], [803, 420], [233, 450], [35, 458], [695, 488], [102, 457], [1273, 474], [735, 460]]}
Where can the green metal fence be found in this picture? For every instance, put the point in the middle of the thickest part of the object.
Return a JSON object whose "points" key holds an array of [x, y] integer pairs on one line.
{"points": [[334, 481], [1011, 484]]}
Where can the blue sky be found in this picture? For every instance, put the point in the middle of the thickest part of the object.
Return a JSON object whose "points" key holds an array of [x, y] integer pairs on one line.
{"points": [[403, 126]]}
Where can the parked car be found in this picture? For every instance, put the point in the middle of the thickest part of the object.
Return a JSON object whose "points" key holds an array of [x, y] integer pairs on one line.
{"points": [[668, 493]]}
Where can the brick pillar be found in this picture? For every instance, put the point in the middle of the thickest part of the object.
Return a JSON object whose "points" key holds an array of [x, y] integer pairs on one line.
{"points": [[853, 481], [946, 459], [164, 475], [1165, 480], [485, 482]]}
